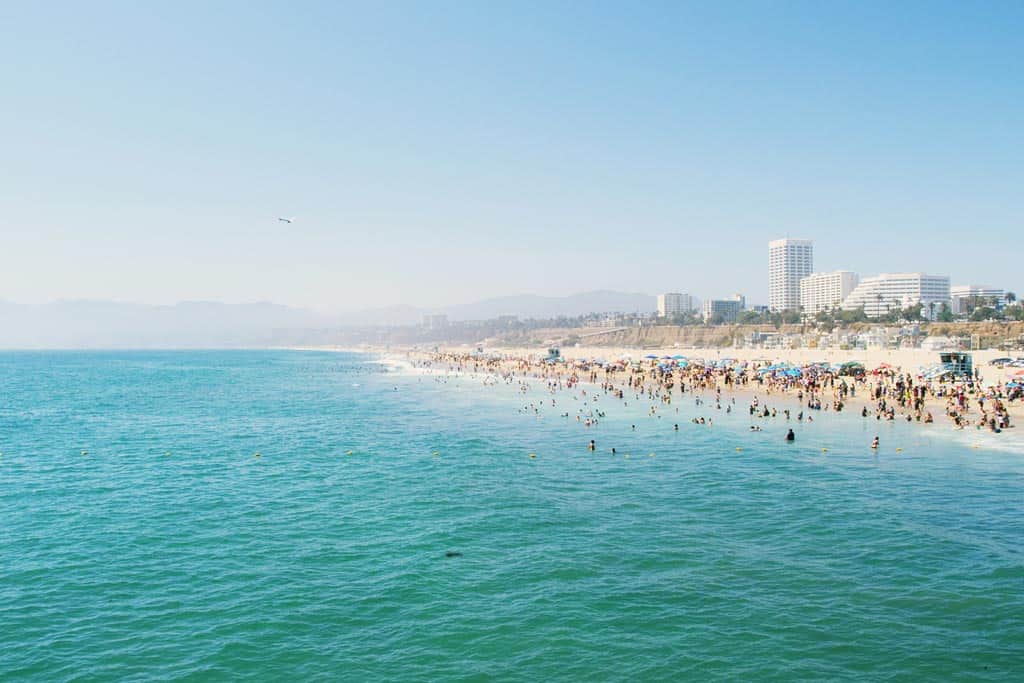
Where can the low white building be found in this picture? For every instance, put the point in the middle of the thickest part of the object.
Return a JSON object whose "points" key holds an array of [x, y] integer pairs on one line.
{"points": [[966, 298], [888, 292], [674, 303], [825, 291], [940, 344]]}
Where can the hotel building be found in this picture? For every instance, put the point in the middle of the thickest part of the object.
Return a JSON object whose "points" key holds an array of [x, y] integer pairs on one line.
{"points": [[887, 292], [968, 297], [825, 291]]}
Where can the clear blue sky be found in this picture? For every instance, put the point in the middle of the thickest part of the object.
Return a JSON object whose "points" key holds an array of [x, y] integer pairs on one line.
{"points": [[441, 152]]}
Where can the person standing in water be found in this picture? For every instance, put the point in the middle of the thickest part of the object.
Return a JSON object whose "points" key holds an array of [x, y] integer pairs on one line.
{"points": [[874, 443], [790, 436]]}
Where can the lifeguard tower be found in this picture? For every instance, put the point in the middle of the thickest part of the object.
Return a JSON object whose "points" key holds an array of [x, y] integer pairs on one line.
{"points": [[958, 363]]}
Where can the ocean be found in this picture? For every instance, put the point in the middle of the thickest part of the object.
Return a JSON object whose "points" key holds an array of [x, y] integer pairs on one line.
{"points": [[287, 515]]}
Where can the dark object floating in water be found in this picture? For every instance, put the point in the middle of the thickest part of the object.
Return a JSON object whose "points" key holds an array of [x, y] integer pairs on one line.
{"points": [[453, 553]]}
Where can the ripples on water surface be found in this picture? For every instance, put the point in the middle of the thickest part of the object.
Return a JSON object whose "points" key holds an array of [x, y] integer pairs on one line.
{"points": [[169, 550]]}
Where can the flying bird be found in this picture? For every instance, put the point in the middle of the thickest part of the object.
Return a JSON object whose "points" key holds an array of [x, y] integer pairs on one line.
{"points": [[286, 220]]}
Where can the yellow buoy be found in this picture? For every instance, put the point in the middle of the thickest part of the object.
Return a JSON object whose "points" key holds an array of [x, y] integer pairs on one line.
{"points": [[899, 450], [256, 454], [652, 455], [738, 448], [533, 455], [348, 453], [85, 452], [824, 450]]}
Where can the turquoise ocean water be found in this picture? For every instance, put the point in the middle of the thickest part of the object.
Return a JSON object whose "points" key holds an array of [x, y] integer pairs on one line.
{"points": [[168, 551]]}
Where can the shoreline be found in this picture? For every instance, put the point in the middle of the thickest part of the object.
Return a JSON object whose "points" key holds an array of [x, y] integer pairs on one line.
{"points": [[793, 397]]}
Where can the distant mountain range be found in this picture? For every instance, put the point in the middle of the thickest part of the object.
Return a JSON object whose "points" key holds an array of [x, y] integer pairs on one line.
{"points": [[533, 306], [109, 324], [524, 306]]}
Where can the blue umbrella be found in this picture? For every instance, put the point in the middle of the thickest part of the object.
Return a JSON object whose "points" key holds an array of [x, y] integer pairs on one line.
{"points": [[651, 357]]}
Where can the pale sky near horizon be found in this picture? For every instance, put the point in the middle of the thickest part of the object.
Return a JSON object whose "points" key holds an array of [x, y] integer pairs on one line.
{"points": [[438, 153]]}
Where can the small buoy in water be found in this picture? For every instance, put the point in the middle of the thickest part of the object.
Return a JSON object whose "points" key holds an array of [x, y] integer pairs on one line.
{"points": [[533, 455], [824, 450], [899, 450], [348, 453], [85, 452], [167, 453], [738, 448], [652, 455], [453, 553], [436, 453], [256, 454]]}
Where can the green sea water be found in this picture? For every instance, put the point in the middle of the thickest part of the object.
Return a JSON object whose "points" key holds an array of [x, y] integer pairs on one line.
{"points": [[142, 538]]}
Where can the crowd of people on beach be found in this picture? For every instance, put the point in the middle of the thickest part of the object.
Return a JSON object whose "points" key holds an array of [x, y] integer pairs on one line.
{"points": [[885, 393]]}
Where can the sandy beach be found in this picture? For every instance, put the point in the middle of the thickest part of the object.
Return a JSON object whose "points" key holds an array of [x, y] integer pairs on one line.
{"points": [[528, 362]]}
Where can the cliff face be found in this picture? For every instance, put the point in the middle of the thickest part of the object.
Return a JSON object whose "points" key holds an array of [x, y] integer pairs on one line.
{"points": [[664, 336], [651, 336], [1003, 329]]}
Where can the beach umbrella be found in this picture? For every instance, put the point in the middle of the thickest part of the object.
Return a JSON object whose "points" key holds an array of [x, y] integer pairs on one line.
{"points": [[652, 357], [679, 357]]}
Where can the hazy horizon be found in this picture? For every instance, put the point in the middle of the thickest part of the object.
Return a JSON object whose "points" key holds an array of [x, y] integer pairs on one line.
{"points": [[441, 154]]}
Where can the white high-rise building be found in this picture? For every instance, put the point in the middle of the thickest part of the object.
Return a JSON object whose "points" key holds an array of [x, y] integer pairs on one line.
{"points": [[887, 292], [966, 297], [825, 291], [674, 303], [789, 261]]}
